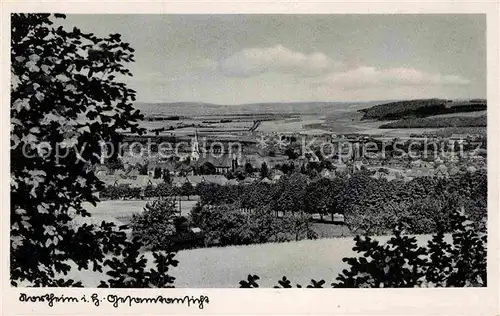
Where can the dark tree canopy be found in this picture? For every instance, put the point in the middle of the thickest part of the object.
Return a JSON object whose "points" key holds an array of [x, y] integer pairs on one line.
{"points": [[187, 189], [155, 225], [66, 96], [264, 170]]}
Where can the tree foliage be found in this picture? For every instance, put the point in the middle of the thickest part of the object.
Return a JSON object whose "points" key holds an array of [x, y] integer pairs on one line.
{"points": [[66, 99], [264, 170], [155, 225], [419, 108], [227, 224], [370, 206], [289, 194], [187, 189]]}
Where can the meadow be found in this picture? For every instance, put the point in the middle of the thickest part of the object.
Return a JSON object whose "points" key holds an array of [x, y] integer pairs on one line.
{"points": [[224, 267], [121, 211]]}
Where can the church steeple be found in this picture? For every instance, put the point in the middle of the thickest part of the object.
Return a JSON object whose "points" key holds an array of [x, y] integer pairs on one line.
{"points": [[195, 149]]}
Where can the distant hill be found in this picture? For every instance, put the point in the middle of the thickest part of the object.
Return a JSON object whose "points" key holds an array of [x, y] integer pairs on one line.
{"points": [[177, 108], [206, 109], [421, 108], [438, 122]]}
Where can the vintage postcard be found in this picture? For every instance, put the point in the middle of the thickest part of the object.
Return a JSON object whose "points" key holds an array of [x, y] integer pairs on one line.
{"points": [[190, 158]]}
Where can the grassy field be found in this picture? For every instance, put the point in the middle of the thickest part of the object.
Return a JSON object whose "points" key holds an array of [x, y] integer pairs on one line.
{"points": [[463, 114], [326, 230], [438, 122], [225, 267], [122, 211], [297, 124]]}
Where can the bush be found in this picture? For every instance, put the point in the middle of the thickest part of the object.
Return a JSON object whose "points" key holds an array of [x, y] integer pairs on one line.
{"points": [[155, 225], [226, 225], [187, 189], [223, 225]]}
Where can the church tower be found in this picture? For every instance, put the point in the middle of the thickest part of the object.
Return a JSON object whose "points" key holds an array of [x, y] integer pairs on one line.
{"points": [[234, 162], [195, 149]]}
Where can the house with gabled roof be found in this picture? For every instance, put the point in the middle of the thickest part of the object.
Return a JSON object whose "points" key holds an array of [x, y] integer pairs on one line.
{"points": [[248, 180], [276, 174], [195, 180], [325, 173], [133, 173], [141, 181], [266, 180], [101, 170], [222, 164], [232, 182], [341, 168], [120, 173], [110, 180], [441, 171], [215, 178]]}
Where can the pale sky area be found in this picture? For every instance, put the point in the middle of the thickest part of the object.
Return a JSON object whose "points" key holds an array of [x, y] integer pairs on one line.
{"points": [[235, 59]]}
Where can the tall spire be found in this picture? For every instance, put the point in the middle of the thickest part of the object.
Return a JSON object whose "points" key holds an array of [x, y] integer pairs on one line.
{"points": [[195, 149]]}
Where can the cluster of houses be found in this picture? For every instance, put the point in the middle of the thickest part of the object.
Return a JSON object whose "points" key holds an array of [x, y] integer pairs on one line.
{"points": [[415, 169], [418, 169], [119, 177], [180, 172]]}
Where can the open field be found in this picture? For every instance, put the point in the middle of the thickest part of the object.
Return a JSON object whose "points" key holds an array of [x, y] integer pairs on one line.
{"points": [[349, 121], [438, 122], [345, 119], [463, 114], [298, 124], [225, 267], [327, 230], [306, 118], [122, 210]]}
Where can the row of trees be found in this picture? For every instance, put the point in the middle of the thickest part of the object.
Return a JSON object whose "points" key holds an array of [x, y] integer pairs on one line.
{"points": [[372, 206]]}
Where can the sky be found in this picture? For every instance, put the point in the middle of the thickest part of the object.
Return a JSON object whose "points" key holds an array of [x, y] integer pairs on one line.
{"points": [[236, 59]]}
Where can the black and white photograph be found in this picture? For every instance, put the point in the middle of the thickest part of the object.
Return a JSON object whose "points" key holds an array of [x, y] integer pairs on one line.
{"points": [[248, 151]]}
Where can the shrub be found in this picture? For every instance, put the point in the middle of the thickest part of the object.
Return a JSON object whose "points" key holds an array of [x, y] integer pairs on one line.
{"points": [[187, 189], [155, 226], [226, 225], [223, 225]]}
